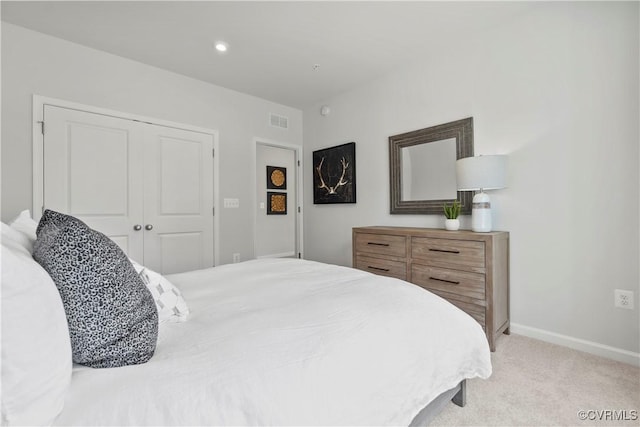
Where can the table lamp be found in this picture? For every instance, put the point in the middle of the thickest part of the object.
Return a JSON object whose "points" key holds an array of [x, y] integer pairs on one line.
{"points": [[481, 173]]}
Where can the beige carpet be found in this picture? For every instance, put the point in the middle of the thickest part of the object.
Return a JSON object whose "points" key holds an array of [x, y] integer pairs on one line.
{"points": [[539, 384]]}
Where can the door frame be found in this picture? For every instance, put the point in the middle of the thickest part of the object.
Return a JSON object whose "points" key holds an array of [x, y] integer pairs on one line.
{"points": [[39, 103], [298, 211]]}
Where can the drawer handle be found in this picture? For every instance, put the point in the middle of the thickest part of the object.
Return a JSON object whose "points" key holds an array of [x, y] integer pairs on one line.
{"points": [[445, 250], [444, 280], [377, 244], [377, 268]]}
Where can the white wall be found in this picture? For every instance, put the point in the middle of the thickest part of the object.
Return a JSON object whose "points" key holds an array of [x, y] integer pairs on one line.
{"points": [[557, 90], [34, 63]]}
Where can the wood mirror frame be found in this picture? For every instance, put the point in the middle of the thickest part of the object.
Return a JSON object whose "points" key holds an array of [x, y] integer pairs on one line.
{"points": [[462, 131]]}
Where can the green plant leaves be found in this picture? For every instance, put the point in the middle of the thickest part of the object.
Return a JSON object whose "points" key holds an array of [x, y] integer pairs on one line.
{"points": [[452, 212]]}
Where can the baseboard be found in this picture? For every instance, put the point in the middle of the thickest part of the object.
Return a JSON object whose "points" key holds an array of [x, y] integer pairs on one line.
{"points": [[578, 344], [280, 255]]}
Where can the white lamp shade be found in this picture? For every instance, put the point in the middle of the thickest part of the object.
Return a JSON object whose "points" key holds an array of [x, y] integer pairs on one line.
{"points": [[481, 172]]}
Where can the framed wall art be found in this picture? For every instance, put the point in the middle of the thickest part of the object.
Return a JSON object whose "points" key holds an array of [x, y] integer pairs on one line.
{"points": [[276, 203], [276, 178], [334, 174]]}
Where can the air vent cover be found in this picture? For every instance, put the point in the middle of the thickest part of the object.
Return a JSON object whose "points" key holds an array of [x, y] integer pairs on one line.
{"points": [[279, 121]]}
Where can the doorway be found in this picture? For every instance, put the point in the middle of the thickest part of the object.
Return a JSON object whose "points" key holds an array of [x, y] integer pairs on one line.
{"points": [[278, 198]]}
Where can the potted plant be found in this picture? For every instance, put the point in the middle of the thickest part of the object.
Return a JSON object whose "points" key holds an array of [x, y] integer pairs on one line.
{"points": [[451, 213]]}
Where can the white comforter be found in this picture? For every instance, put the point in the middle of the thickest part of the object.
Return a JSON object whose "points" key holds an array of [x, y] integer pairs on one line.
{"points": [[289, 342]]}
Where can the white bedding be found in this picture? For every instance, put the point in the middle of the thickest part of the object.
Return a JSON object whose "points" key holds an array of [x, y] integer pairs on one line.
{"points": [[289, 342]]}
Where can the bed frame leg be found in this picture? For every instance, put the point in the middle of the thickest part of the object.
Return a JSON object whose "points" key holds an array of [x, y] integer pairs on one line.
{"points": [[460, 397]]}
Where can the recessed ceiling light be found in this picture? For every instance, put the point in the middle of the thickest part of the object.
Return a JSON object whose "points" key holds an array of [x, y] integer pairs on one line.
{"points": [[222, 47]]}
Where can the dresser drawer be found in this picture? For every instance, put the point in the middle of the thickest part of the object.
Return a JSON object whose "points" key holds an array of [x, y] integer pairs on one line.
{"points": [[465, 284], [473, 310], [397, 269], [381, 244], [448, 253]]}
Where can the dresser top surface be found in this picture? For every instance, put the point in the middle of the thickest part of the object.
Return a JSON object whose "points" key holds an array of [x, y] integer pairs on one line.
{"points": [[432, 232]]}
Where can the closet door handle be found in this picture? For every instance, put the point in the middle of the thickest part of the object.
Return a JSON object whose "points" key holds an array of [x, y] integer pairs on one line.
{"points": [[137, 227], [148, 227]]}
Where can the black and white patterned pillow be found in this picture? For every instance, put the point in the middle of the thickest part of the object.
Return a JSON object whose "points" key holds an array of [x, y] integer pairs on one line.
{"points": [[112, 317]]}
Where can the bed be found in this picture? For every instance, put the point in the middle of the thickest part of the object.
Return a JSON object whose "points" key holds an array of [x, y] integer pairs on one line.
{"points": [[287, 342]]}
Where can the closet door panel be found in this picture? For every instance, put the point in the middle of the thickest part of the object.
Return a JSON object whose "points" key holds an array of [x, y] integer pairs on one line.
{"points": [[180, 174], [178, 195], [180, 251], [98, 176], [92, 171]]}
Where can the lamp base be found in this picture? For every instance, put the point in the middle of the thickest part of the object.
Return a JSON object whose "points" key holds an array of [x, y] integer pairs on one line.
{"points": [[481, 213]]}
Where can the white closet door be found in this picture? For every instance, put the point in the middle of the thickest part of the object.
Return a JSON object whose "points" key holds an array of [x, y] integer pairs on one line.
{"points": [[178, 200], [92, 170]]}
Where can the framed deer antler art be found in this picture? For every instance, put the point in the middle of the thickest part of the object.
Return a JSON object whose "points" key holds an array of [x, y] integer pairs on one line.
{"points": [[334, 174]]}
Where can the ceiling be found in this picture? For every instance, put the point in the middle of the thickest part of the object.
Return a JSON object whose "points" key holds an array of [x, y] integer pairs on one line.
{"points": [[273, 46]]}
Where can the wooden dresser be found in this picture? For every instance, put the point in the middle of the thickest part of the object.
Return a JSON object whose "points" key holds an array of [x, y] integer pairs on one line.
{"points": [[470, 270]]}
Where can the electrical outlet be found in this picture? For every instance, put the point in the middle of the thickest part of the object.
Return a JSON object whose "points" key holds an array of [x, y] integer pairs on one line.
{"points": [[623, 299], [236, 258]]}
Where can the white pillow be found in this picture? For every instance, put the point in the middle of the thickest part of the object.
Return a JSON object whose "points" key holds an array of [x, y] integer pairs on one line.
{"points": [[171, 305], [27, 227], [17, 238], [36, 349]]}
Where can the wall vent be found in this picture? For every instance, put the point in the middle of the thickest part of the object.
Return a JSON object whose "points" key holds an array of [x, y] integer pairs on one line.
{"points": [[279, 121]]}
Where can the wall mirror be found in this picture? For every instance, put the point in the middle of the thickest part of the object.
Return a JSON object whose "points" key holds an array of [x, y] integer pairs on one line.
{"points": [[423, 168]]}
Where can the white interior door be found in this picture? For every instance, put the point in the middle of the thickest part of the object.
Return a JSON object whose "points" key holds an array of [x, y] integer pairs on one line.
{"points": [[92, 171], [178, 195]]}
